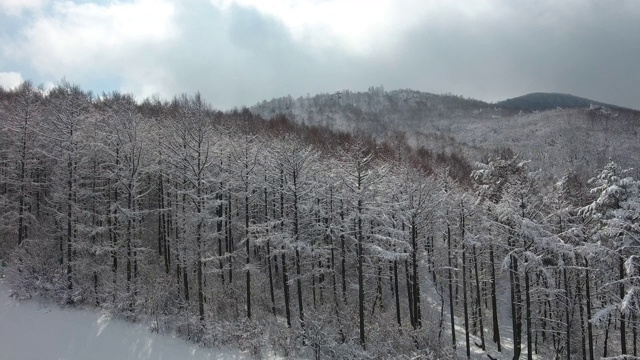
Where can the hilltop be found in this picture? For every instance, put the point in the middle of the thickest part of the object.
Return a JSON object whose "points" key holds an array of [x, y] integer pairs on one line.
{"points": [[540, 101]]}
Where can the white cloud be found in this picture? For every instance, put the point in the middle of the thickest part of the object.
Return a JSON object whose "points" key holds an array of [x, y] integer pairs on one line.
{"points": [[88, 39], [9, 80], [356, 25], [16, 7], [362, 27]]}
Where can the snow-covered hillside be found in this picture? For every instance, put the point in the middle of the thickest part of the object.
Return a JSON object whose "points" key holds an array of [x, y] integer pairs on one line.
{"points": [[577, 137], [32, 331]]}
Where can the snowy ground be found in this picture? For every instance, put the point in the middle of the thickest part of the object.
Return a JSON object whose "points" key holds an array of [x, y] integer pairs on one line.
{"points": [[32, 331]]}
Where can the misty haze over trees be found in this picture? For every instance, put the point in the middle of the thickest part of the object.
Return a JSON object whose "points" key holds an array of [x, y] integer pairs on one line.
{"points": [[379, 224]]}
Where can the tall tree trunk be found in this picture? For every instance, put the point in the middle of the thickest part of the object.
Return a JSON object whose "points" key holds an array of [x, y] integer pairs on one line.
{"points": [[246, 240], [168, 231], [464, 281], [330, 237], [199, 281], [478, 299], [623, 328], [266, 219], [583, 336], [230, 245], [360, 271], [588, 295], [343, 256], [129, 250], [296, 230], [185, 267], [494, 300], [162, 219], [70, 230], [407, 276], [285, 286], [285, 277], [397, 291], [97, 223], [528, 314], [606, 337], [219, 223], [516, 298], [23, 180], [112, 223], [450, 278], [299, 287], [567, 296], [160, 215], [416, 282], [634, 320]]}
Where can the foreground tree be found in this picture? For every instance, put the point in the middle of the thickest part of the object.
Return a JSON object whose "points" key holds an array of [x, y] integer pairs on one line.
{"points": [[69, 113], [617, 210]]}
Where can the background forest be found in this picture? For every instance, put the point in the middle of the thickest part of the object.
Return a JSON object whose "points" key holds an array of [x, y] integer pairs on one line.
{"points": [[234, 229]]}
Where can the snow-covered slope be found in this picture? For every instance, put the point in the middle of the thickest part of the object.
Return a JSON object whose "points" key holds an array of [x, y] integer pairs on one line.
{"points": [[581, 138], [32, 331]]}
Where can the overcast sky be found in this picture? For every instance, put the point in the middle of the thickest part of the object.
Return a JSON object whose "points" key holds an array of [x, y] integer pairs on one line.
{"points": [[239, 52]]}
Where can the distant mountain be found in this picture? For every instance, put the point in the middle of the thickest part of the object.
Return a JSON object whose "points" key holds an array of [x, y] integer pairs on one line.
{"points": [[557, 132], [546, 101], [376, 111]]}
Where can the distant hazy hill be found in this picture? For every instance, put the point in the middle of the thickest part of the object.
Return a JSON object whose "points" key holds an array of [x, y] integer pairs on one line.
{"points": [[375, 111], [547, 101], [557, 132]]}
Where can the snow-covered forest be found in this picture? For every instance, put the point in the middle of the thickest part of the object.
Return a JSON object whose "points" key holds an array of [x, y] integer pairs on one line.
{"points": [[555, 131], [233, 230]]}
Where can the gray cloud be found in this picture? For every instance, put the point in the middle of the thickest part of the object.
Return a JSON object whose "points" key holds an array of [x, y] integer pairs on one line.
{"points": [[587, 53], [237, 55]]}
